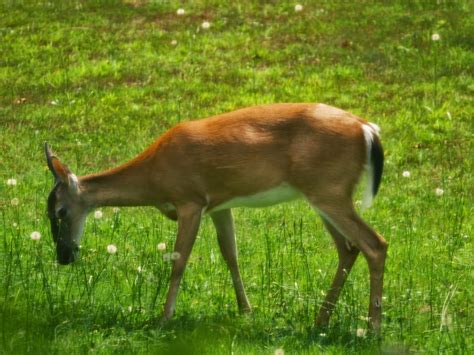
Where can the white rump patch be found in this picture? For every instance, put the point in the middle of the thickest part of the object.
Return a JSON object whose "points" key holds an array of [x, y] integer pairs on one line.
{"points": [[279, 194]]}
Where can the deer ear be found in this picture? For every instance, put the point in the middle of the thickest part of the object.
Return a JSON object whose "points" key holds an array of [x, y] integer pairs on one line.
{"points": [[60, 171], [49, 159]]}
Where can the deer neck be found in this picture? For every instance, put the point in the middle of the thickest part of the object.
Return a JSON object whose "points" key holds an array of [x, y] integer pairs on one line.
{"points": [[128, 185]]}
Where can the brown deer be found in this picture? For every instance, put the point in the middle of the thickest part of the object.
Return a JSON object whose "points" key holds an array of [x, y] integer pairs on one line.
{"points": [[257, 156]]}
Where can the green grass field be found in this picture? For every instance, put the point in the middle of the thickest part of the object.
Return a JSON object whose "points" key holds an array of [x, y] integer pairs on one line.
{"points": [[100, 80]]}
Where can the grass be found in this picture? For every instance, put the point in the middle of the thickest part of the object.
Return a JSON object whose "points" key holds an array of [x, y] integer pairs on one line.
{"points": [[100, 80]]}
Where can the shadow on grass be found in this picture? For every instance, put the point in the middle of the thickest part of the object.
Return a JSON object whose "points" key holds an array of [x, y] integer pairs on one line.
{"points": [[225, 334], [190, 333]]}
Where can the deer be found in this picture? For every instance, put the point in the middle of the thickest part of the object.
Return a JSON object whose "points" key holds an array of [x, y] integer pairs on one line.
{"points": [[253, 157]]}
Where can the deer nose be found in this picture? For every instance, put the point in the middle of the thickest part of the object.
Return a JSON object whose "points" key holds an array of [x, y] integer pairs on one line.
{"points": [[67, 254]]}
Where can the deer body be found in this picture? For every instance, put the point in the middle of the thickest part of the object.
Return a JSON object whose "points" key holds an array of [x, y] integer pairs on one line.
{"points": [[252, 157]]}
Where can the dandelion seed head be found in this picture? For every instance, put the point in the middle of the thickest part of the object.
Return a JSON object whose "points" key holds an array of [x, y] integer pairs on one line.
{"points": [[446, 320], [180, 12], [161, 246], [435, 37], [15, 201], [111, 249], [167, 257], [298, 7], [98, 214], [406, 174], [439, 192], [175, 255], [205, 25], [11, 182], [35, 235]]}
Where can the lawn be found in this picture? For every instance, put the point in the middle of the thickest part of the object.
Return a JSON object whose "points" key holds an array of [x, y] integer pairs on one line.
{"points": [[100, 80]]}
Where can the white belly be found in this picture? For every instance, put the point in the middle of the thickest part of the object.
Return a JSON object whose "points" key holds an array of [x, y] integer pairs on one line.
{"points": [[282, 193]]}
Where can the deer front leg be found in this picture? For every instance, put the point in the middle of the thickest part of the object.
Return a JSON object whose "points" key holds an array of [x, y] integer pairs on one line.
{"points": [[189, 218], [226, 236]]}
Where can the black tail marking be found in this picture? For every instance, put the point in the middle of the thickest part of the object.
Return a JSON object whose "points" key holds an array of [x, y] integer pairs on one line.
{"points": [[376, 159]]}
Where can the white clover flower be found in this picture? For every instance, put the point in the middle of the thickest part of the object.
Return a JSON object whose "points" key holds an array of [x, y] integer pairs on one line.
{"points": [[35, 235], [439, 192], [15, 224], [322, 335], [116, 210], [11, 182], [98, 214], [139, 269], [161, 246], [361, 333], [180, 12], [175, 255], [279, 351], [15, 201], [435, 37], [406, 174], [205, 25], [174, 42], [54, 103], [298, 7], [111, 249]]}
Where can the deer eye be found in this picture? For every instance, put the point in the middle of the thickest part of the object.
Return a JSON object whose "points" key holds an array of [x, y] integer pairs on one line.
{"points": [[61, 213]]}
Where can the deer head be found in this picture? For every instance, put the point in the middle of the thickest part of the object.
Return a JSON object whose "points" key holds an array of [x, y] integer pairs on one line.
{"points": [[66, 210]]}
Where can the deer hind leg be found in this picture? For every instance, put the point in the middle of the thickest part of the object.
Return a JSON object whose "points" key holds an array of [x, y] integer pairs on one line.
{"points": [[347, 256], [341, 214], [224, 225]]}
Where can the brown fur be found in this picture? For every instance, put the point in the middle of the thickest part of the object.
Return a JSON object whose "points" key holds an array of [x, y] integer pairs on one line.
{"points": [[243, 152]]}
